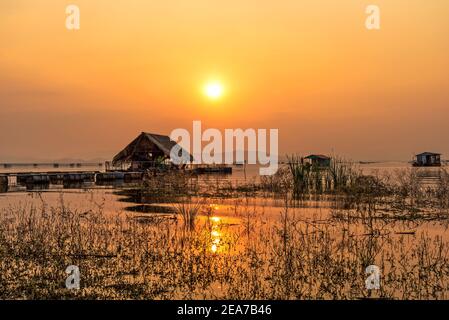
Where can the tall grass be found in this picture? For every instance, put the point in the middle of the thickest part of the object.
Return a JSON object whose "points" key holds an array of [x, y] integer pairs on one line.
{"points": [[293, 258], [189, 212], [300, 174], [341, 174], [306, 178]]}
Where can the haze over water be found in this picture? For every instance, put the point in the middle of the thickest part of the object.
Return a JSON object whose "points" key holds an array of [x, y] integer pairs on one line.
{"points": [[309, 68]]}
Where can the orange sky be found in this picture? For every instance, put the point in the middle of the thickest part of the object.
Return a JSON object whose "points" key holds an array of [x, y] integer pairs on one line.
{"points": [[307, 67]]}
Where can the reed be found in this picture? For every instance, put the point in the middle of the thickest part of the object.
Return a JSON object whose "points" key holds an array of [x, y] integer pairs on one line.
{"points": [[280, 182], [292, 258], [300, 174], [341, 174], [189, 212]]}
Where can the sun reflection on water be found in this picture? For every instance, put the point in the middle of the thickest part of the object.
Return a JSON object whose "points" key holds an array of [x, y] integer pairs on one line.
{"points": [[215, 233]]}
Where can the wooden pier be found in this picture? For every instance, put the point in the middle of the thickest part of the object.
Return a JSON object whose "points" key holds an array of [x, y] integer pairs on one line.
{"points": [[126, 176], [43, 180], [217, 170], [51, 164], [64, 178], [210, 169], [23, 178]]}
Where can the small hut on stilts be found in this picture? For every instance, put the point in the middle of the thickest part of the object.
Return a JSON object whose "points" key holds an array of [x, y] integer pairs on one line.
{"points": [[147, 151]]}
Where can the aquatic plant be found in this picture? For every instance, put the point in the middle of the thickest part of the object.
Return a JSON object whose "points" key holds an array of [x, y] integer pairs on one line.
{"points": [[294, 257], [300, 173], [188, 211]]}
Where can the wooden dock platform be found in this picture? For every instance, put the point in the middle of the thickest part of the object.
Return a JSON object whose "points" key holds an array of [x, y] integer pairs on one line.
{"points": [[44, 179], [52, 164], [23, 178], [204, 170], [210, 169]]}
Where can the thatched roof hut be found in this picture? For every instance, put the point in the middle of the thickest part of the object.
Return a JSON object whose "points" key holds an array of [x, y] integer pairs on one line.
{"points": [[319, 160], [147, 150]]}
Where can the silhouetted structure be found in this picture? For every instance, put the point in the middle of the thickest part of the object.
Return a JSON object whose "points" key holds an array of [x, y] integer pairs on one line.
{"points": [[318, 160], [148, 150], [427, 159]]}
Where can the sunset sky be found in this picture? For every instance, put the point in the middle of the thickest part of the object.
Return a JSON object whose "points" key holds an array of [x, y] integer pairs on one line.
{"points": [[307, 67]]}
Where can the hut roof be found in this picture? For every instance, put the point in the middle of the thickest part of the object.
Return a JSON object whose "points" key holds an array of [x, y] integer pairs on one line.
{"points": [[318, 156], [163, 143], [429, 154]]}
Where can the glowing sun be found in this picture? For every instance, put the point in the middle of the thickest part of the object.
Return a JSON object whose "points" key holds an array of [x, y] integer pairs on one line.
{"points": [[213, 90]]}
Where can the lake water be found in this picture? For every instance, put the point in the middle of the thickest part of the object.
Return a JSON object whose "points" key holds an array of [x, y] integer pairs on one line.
{"points": [[83, 194], [119, 196], [250, 219]]}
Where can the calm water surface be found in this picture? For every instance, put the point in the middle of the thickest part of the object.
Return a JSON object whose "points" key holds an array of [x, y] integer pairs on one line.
{"points": [[109, 196], [228, 216]]}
